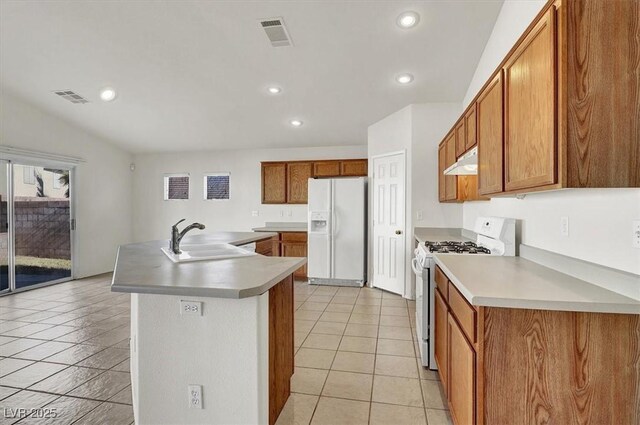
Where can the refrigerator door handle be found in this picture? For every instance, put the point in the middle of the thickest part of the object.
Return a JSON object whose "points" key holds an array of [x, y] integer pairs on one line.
{"points": [[332, 234]]}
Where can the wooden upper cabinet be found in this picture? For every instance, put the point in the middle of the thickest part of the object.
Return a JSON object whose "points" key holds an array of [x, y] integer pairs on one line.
{"points": [[470, 128], [461, 375], [450, 182], [357, 167], [298, 174], [326, 169], [274, 183], [490, 137], [530, 109], [441, 344], [461, 138], [442, 164], [287, 182]]}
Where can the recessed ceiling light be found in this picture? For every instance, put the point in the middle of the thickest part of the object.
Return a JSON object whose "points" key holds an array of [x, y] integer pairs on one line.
{"points": [[108, 94], [404, 78], [408, 19], [274, 90], [296, 123]]}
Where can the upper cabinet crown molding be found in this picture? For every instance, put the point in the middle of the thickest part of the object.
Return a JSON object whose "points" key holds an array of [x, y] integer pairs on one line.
{"points": [[562, 109]]}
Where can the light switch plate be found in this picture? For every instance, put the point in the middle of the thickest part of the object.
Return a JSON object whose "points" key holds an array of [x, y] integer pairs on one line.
{"points": [[190, 308], [636, 233], [419, 215]]}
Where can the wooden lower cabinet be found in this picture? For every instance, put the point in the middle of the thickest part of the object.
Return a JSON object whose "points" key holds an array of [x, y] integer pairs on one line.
{"points": [[265, 247], [295, 249], [461, 375], [286, 244], [440, 314], [537, 366]]}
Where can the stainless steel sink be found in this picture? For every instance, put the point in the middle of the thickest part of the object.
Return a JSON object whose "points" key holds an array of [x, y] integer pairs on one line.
{"points": [[207, 252]]}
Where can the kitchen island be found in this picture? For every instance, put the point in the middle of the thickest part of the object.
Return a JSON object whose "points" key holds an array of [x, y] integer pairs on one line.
{"points": [[222, 328]]}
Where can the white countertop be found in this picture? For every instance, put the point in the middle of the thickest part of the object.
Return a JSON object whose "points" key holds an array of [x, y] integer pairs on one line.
{"points": [[144, 268], [514, 282], [282, 227]]}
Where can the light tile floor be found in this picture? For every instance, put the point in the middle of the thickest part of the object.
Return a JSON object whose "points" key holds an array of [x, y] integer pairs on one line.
{"points": [[356, 361], [66, 347]]}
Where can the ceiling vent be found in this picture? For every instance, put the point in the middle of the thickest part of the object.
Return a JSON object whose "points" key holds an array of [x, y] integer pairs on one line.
{"points": [[71, 96], [276, 32]]}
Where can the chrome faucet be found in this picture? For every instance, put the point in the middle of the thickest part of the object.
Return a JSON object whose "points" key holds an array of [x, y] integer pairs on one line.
{"points": [[176, 237]]}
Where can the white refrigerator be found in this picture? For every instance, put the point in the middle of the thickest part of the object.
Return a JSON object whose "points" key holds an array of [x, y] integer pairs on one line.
{"points": [[337, 240]]}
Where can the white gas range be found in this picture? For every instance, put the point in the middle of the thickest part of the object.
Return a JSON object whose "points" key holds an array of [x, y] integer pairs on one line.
{"points": [[495, 236]]}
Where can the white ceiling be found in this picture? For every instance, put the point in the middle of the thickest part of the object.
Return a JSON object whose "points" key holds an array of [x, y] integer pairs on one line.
{"points": [[192, 74]]}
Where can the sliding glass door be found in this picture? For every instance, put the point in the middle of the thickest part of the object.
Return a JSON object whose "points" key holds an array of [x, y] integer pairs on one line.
{"points": [[35, 248], [4, 226]]}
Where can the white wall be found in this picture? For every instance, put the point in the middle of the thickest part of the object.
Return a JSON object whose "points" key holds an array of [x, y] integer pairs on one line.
{"points": [[430, 122], [103, 181], [599, 219], [153, 217], [417, 130], [514, 18]]}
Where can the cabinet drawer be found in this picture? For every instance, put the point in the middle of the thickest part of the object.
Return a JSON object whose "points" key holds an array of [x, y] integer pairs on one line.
{"points": [[463, 311], [442, 283], [293, 237]]}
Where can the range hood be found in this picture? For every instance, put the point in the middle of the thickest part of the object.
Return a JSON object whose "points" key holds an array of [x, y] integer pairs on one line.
{"points": [[466, 165]]}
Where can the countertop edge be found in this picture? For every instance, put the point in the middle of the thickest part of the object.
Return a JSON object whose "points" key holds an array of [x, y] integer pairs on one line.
{"points": [[211, 292], [532, 304]]}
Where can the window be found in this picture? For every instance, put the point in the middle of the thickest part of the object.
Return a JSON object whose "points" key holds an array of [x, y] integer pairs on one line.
{"points": [[28, 175], [57, 184], [216, 186], [176, 186]]}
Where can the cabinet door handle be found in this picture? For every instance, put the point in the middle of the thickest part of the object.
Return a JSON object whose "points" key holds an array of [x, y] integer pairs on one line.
{"points": [[398, 232]]}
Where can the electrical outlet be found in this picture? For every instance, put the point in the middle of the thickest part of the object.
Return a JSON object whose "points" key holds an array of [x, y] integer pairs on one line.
{"points": [[255, 213], [281, 213], [564, 226], [195, 396], [419, 215], [190, 308], [636, 233]]}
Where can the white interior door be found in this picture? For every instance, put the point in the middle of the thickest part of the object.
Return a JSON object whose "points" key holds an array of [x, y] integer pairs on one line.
{"points": [[389, 253]]}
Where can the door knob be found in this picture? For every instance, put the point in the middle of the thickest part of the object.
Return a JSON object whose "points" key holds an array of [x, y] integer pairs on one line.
{"points": [[398, 232]]}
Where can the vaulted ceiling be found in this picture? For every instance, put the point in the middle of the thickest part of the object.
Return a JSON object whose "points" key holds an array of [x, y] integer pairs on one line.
{"points": [[192, 75]]}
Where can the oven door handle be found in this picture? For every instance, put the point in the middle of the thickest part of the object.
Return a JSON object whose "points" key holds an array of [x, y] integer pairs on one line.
{"points": [[414, 265]]}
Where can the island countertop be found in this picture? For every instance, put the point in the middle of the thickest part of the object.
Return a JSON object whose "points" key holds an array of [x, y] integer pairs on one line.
{"points": [[515, 282], [144, 268]]}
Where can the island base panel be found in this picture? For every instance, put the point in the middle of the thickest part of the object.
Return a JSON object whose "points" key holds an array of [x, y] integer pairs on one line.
{"points": [[281, 349]]}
